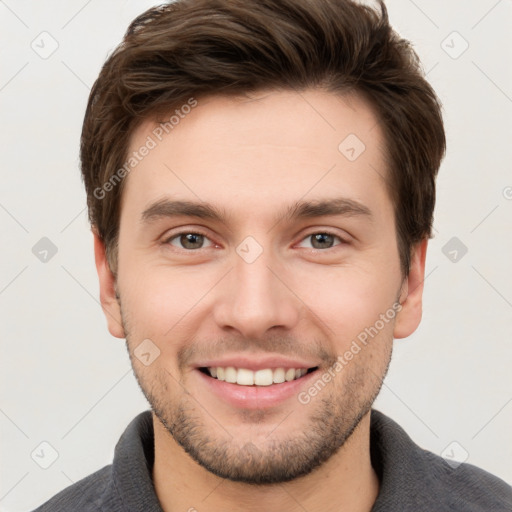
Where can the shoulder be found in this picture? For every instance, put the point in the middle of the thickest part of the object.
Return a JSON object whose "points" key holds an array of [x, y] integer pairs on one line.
{"points": [[419, 480], [87, 495], [123, 485], [465, 486]]}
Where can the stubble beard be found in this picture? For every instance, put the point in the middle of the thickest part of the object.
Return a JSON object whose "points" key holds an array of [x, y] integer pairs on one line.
{"points": [[334, 414]]}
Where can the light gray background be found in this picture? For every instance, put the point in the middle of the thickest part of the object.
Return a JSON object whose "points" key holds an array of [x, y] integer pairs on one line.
{"points": [[66, 381]]}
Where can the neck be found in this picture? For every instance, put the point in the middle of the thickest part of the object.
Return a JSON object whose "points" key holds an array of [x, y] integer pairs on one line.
{"points": [[347, 481]]}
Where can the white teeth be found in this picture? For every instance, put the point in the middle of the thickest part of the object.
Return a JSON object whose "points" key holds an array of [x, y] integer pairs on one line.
{"points": [[290, 374], [265, 377], [230, 374], [245, 377], [278, 376]]}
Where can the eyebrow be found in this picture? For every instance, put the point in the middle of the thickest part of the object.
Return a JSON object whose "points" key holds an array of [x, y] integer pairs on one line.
{"points": [[166, 208]]}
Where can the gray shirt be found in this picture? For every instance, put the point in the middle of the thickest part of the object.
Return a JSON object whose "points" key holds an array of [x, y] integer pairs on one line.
{"points": [[411, 478]]}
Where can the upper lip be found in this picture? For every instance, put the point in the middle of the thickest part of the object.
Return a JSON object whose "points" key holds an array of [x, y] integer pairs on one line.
{"points": [[255, 363]]}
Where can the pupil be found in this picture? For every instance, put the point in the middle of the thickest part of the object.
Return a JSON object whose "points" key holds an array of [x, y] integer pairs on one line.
{"points": [[321, 238], [191, 238]]}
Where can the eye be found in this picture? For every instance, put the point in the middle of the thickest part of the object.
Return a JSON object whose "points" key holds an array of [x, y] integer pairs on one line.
{"points": [[323, 240], [188, 240]]}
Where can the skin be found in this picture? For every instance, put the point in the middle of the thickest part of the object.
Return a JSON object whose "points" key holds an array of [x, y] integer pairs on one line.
{"points": [[253, 157]]}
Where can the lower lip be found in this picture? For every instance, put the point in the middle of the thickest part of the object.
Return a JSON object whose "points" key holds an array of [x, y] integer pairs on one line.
{"points": [[255, 397]]}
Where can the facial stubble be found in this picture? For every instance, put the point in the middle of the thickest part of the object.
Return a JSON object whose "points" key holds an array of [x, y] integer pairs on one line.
{"points": [[333, 416]]}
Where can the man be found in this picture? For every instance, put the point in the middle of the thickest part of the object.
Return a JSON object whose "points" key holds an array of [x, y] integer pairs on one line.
{"points": [[261, 184]]}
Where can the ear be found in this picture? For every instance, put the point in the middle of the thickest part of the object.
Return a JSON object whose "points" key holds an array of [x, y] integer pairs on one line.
{"points": [[109, 302], [411, 295]]}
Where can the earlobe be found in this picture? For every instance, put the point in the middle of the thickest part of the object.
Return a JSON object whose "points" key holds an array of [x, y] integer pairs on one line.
{"points": [[108, 299], [411, 296]]}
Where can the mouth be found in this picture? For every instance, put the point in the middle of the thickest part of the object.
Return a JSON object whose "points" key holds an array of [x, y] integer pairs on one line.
{"points": [[260, 378]]}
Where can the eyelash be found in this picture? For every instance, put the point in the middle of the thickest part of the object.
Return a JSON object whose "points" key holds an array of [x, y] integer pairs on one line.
{"points": [[326, 232]]}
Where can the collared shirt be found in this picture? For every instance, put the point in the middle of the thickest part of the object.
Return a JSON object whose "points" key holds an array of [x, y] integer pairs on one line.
{"points": [[411, 478]]}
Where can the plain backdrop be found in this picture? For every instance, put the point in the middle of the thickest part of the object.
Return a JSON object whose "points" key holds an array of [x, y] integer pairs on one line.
{"points": [[67, 383]]}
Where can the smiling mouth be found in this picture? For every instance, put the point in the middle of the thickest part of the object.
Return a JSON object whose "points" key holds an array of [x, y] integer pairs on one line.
{"points": [[263, 377]]}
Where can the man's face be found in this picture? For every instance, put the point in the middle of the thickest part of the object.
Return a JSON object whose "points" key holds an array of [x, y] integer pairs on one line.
{"points": [[266, 286]]}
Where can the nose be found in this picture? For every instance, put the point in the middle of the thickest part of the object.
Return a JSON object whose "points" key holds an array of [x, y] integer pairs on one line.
{"points": [[256, 297]]}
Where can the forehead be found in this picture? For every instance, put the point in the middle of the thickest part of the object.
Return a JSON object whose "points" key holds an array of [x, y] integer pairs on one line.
{"points": [[270, 148]]}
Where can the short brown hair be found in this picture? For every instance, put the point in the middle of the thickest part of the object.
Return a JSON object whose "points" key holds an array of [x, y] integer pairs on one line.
{"points": [[194, 48]]}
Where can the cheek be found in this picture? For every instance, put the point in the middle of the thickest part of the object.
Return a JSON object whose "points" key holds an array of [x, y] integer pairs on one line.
{"points": [[150, 301], [349, 300], [165, 304]]}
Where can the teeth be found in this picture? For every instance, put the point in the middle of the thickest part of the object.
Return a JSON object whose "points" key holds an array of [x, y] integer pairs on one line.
{"points": [[266, 377], [245, 377], [290, 374], [230, 374], [263, 377], [278, 376]]}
